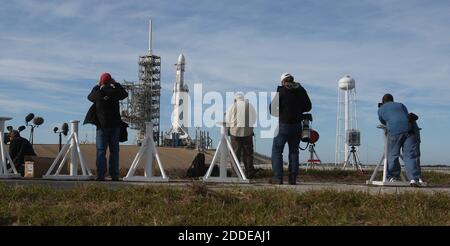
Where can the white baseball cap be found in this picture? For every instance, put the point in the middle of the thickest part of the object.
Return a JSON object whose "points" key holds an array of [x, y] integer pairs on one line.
{"points": [[239, 95], [285, 75]]}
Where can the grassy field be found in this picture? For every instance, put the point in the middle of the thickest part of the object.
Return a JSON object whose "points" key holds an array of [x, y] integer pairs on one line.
{"points": [[337, 175], [197, 205], [352, 177]]}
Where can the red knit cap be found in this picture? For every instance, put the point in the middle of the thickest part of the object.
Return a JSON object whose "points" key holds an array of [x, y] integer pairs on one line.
{"points": [[105, 78]]}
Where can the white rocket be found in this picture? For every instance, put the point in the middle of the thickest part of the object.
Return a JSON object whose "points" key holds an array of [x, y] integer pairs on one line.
{"points": [[180, 107]]}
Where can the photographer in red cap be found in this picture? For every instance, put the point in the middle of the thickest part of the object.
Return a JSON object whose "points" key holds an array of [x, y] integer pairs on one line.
{"points": [[105, 114]]}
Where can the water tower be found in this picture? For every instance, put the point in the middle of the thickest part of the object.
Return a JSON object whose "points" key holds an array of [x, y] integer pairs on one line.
{"points": [[347, 134]]}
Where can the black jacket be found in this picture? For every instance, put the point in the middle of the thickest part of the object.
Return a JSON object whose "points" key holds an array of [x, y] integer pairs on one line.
{"points": [[107, 108], [18, 149], [290, 103], [91, 116]]}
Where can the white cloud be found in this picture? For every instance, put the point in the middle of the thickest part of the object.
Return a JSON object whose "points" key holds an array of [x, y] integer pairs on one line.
{"points": [[10, 105]]}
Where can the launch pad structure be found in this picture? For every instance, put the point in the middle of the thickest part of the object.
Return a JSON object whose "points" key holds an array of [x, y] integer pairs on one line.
{"points": [[143, 102]]}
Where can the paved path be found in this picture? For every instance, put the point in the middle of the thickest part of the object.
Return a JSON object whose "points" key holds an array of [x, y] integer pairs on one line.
{"points": [[300, 188]]}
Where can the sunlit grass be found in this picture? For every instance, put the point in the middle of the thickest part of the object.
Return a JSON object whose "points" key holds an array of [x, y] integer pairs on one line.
{"points": [[195, 204]]}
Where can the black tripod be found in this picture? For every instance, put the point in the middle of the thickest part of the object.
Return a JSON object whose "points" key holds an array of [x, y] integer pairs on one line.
{"points": [[32, 134], [60, 141], [353, 155]]}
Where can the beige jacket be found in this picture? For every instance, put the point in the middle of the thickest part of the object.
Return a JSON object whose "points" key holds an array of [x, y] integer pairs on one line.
{"points": [[237, 122]]}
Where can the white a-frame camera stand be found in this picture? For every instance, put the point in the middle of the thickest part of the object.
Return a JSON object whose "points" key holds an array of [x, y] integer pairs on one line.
{"points": [[147, 151], [384, 181], [6, 173], [72, 151], [223, 151]]}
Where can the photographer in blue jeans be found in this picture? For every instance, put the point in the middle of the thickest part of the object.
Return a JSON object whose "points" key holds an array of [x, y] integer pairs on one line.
{"points": [[105, 114], [402, 133], [290, 102]]}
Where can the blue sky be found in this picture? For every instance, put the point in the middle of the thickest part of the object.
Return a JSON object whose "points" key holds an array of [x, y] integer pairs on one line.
{"points": [[52, 52]]}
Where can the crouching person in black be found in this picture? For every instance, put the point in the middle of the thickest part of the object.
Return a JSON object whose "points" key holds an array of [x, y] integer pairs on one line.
{"points": [[20, 150]]}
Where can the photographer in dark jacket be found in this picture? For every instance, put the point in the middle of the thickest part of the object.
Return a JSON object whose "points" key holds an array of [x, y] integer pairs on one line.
{"points": [[19, 150], [290, 102], [106, 116]]}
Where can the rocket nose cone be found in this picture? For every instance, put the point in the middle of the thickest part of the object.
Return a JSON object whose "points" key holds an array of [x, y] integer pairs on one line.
{"points": [[181, 58]]}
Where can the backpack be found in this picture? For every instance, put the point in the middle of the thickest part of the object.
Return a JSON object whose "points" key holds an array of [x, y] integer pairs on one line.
{"points": [[198, 167]]}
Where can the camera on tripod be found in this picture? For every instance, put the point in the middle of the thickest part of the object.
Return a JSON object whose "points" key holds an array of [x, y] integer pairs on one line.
{"points": [[353, 137], [306, 132], [308, 135]]}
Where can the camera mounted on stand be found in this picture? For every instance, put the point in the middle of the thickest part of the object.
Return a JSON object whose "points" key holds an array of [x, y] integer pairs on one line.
{"points": [[306, 130], [37, 121], [308, 135], [63, 131], [353, 140]]}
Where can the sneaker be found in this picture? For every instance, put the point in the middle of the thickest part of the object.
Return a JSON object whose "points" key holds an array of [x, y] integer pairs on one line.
{"points": [[393, 179], [115, 179], [414, 183], [422, 183]]}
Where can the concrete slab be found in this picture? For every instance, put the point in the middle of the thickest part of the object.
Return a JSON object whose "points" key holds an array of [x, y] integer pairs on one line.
{"points": [[299, 188]]}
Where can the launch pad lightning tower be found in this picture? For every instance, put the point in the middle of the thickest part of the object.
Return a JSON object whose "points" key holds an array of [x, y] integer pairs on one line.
{"points": [[143, 102]]}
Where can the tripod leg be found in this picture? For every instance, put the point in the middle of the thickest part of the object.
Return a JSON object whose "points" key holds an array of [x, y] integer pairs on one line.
{"points": [[347, 159], [354, 160], [355, 164], [358, 163], [307, 161], [317, 156]]}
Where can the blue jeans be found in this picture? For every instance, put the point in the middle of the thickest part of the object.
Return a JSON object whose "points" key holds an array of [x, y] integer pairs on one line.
{"points": [[410, 145], [108, 137], [289, 133]]}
